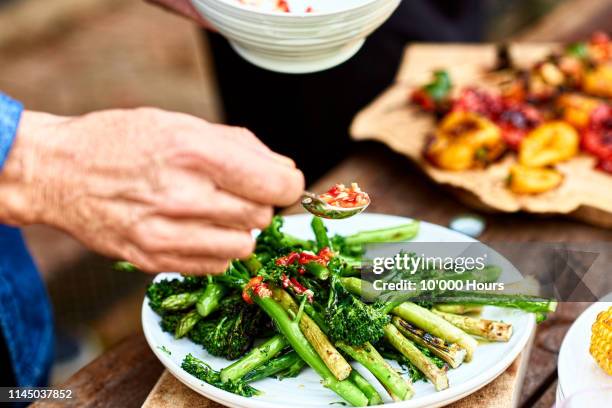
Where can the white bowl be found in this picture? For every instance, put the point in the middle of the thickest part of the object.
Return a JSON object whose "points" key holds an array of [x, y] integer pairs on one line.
{"points": [[297, 42]]}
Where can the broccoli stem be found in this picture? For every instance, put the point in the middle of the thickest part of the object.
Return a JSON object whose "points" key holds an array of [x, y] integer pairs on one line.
{"points": [[437, 376], [291, 330], [180, 301], [317, 270], [274, 366], [208, 302], [186, 323], [487, 329], [316, 337], [437, 326], [452, 354], [392, 234], [254, 358], [356, 287], [371, 359], [458, 308], [252, 263], [320, 232], [293, 370], [368, 389]]}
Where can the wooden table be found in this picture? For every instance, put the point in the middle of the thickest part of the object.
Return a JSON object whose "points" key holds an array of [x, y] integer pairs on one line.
{"points": [[124, 376]]}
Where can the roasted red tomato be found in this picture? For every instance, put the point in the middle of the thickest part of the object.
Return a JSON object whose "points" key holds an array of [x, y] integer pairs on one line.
{"points": [[597, 137], [516, 121], [478, 101]]}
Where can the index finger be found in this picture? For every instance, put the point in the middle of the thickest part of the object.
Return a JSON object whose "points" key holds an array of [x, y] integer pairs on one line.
{"points": [[252, 174]]}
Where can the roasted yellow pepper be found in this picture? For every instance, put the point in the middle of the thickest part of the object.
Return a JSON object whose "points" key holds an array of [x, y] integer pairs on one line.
{"points": [[533, 180], [465, 140], [577, 108], [549, 143], [601, 340], [598, 82]]}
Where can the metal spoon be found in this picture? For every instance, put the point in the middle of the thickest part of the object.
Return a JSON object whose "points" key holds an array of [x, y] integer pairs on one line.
{"points": [[313, 204]]}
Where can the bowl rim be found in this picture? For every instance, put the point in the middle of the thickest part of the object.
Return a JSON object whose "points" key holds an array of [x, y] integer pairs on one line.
{"points": [[300, 15]]}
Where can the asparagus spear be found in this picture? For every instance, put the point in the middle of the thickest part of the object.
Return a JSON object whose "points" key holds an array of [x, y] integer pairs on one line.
{"points": [[180, 301], [450, 353], [437, 376], [186, 324], [317, 338], [208, 302], [254, 358], [370, 358], [458, 308], [488, 329], [437, 326], [392, 234], [534, 304]]}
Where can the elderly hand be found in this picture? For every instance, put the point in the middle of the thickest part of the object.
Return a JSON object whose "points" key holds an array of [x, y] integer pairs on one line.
{"points": [[165, 191], [185, 8]]}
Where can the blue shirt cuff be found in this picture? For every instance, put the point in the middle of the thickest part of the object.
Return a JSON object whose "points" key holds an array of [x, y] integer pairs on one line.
{"points": [[10, 113]]}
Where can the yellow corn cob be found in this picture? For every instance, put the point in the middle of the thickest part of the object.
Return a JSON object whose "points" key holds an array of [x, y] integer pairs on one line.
{"points": [[601, 340]]}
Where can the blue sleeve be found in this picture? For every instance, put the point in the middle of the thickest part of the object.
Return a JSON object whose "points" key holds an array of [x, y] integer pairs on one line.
{"points": [[26, 321], [10, 113]]}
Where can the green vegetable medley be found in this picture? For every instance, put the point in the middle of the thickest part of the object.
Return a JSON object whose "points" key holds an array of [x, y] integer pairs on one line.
{"points": [[297, 303]]}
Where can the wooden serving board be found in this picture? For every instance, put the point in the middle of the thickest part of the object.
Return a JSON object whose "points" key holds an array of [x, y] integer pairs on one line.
{"points": [[585, 193], [503, 392]]}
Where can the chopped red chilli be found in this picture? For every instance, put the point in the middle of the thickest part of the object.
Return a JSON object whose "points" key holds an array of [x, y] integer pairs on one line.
{"points": [[258, 287], [306, 257], [346, 197], [297, 287]]}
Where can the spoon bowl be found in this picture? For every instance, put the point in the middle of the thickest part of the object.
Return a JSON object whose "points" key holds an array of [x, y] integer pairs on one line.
{"points": [[314, 205]]}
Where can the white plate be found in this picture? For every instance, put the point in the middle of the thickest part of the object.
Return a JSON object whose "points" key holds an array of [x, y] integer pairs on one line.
{"points": [[576, 368], [490, 359]]}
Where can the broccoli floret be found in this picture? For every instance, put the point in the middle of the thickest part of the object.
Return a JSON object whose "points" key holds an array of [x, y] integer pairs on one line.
{"points": [[204, 372], [158, 291], [169, 321], [350, 320], [231, 334], [272, 241]]}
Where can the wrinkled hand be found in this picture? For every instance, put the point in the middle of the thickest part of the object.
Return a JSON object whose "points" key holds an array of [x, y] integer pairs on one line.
{"points": [[185, 8], [165, 191]]}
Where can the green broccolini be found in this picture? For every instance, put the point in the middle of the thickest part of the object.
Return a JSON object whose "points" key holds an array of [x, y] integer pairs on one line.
{"points": [[157, 292], [232, 332], [272, 241], [204, 372]]}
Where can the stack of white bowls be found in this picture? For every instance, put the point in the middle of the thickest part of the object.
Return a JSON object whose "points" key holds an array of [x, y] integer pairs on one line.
{"points": [[297, 42]]}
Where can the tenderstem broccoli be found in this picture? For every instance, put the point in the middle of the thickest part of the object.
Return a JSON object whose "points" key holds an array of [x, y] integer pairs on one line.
{"points": [[282, 366], [370, 358], [290, 329], [254, 358]]}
